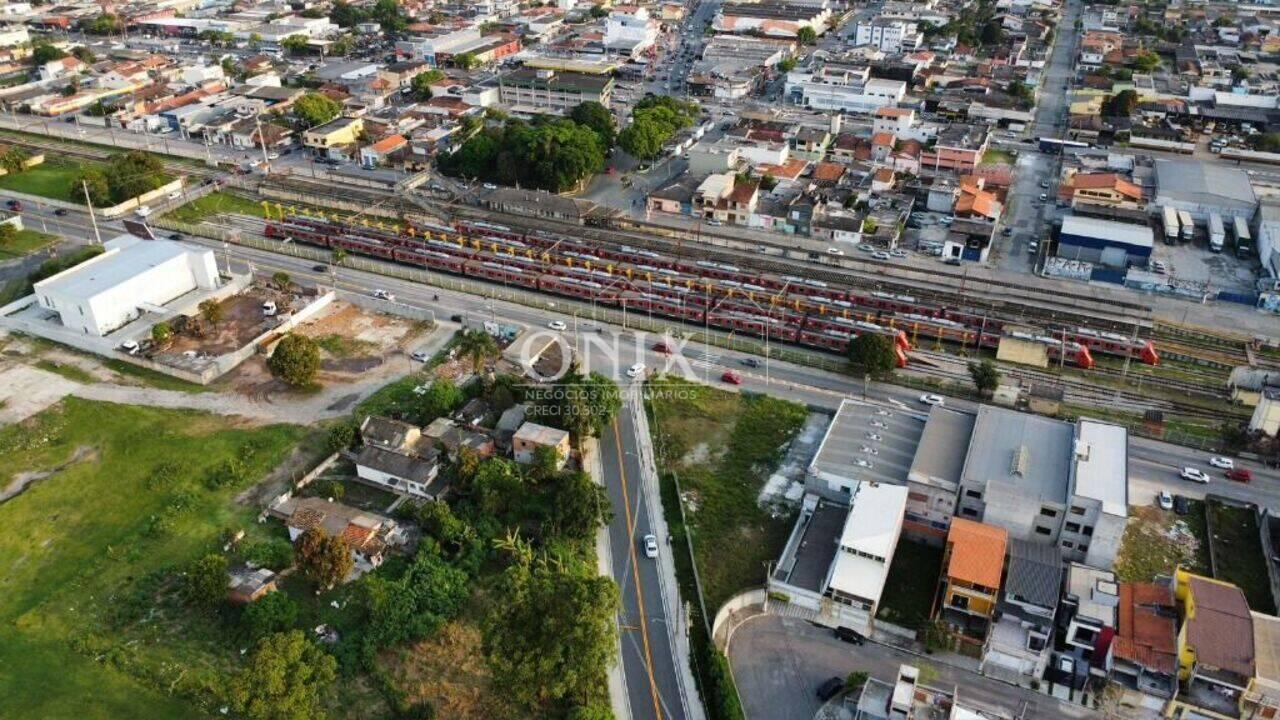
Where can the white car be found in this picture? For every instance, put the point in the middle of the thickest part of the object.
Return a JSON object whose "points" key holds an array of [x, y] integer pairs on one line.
{"points": [[650, 546], [557, 325], [930, 399], [1221, 462], [1194, 475], [420, 355], [635, 370], [1165, 500], [384, 295], [130, 347], [880, 255], [835, 251], [142, 211], [175, 194]]}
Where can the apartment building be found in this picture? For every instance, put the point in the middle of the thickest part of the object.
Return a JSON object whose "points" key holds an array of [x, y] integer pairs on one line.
{"points": [[841, 87], [958, 147], [549, 91], [890, 36]]}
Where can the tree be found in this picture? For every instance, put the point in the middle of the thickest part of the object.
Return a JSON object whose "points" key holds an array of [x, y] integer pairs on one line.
{"points": [[806, 35], [478, 347], [786, 65], [296, 44], [855, 681], [342, 436], [324, 558], [130, 174], [598, 11], [7, 233], [1122, 104], [1146, 61], [274, 612], [211, 311], [104, 24], [286, 678], [93, 182], [255, 40], [466, 61], [295, 360], [442, 398], [205, 584], [315, 109], [545, 463], [416, 604], [497, 487], [553, 635], [992, 33], [579, 506], [338, 255], [986, 376], [873, 354], [14, 159], [1265, 142], [280, 279], [161, 333], [45, 53], [421, 83], [597, 117], [585, 405]]}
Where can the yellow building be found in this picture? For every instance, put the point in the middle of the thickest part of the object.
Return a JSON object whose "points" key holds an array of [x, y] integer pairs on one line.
{"points": [[1216, 656], [335, 133], [974, 561]]}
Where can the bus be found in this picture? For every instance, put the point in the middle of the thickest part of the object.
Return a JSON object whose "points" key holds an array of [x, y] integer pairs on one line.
{"points": [[1055, 145]]}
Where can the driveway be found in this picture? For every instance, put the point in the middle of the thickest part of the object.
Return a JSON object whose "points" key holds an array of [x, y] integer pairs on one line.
{"points": [[779, 662]]}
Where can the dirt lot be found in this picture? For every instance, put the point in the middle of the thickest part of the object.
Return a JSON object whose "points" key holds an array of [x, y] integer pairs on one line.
{"points": [[242, 321], [355, 346]]}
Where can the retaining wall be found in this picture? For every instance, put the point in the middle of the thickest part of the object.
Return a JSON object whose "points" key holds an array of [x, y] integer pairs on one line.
{"points": [[722, 628]]}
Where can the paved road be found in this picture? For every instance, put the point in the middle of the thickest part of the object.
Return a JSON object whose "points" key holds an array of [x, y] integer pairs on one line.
{"points": [[649, 660], [779, 662]]}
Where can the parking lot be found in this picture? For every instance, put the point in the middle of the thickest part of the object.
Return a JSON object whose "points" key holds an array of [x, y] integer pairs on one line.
{"points": [[1192, 263]]}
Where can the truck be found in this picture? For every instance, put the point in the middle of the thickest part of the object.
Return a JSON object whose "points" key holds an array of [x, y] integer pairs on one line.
{"points": [[1187, 225], [1217, 234], [1244, 239], [1171, 227]]}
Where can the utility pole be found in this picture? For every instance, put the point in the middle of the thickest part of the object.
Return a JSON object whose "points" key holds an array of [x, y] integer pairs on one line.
{"points": [[85, 185], [262, 141]]}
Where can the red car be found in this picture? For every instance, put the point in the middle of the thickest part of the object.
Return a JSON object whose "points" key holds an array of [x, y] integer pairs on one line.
{"points": [[731, 377], [663, 348], [1239, 475]]}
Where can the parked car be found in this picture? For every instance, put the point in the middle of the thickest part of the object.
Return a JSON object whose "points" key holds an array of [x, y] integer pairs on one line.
{"points": [[650, 546], [130, 347], [849, 635], [420, 355], [830, 688], [880, 255], [1165, 500], [1181, 505], [15, 205], [731, 377], [835, 251], [269, 308], [142, 211], [557, 325], [751, 362], [60, 212], [320, 268], [383, 295], [636, 370], [1239, 475], [930, 399], [1194, 475], [1224, 463]]}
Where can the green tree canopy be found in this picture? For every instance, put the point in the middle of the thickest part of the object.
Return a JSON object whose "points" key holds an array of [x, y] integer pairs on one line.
{"points": [[130, 174], [872, 354], [45, 53], [579, 506], [1122, 104], [315, 109], [296, 44], [295, 360], [415, 605], [94, 182], [807, 35], [205, 584], [1146, 61], [442, 398], [986, 376], [285, 678], [420, 85], [272, 613], [593, 115], [654, 121], [104, 24], [478, 347], [324, 558], [582, 404]]}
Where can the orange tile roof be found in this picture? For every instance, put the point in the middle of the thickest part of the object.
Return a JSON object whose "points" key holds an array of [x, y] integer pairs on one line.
{"points": [[977, 552], [389, 143], [892, 112], [790, 170], [1094, 181], [884, 175], [882, 138], [828, 171], [1144, 635]]}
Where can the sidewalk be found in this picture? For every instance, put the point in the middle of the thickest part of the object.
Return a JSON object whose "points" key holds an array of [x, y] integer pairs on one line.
{"points": [[618, 699]]}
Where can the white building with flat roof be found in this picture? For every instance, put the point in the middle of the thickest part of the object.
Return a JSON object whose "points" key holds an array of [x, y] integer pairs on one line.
{"points": [[866, 547], [1099, 507], [131, 277]]}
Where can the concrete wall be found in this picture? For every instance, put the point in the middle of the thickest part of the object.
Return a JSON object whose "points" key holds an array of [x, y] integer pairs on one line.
{"points": [[724, 624], [115, 211]]}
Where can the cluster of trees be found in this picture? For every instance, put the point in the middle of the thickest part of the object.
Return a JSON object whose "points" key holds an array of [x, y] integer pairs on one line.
{"points": [[386, 13], [654, 121], [1146, 61], [976, 28], [313, 109], [420, 85], [217, 38], [1120, 74], [554, 154], [1265, 142], [126, 175], [45, 53], [1122, 104], [872, 354], [14, 159], [104, 24]]}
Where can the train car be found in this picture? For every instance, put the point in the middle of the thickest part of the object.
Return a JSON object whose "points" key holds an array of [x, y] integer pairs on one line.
{"points": [[477, 228], [1075, 353], [754, 324], [850, 325], [1115, 344], [837, 340], [498, 272], [433, 259], [643, 302]]}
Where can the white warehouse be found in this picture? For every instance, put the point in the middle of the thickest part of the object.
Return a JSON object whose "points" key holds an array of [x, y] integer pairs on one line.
{"points": [[131, 277]]}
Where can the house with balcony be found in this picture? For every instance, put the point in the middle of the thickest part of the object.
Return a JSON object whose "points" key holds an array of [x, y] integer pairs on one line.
{"points": [[1086, 628], [1106, 189], [974, 568], [1146, 650], [725, 198], [1021, 640], [958, 147], [1216, 652], [334, 138]]}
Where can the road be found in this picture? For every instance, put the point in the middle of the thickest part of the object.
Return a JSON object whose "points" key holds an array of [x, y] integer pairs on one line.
{"points": [[651, 666]]}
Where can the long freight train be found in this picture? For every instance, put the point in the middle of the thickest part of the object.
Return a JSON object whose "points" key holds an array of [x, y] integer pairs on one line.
{"points": [[787, 308]]}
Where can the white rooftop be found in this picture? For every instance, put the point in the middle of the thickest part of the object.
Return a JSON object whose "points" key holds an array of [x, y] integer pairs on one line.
{"points": [[125, 257], [1102, 465], [871, 527], [1127, 233]]}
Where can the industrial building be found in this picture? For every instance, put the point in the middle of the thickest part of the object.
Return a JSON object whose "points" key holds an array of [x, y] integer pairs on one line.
{"points": [[1203, 188], [1105, 242], [548, 91], [132, 276]]}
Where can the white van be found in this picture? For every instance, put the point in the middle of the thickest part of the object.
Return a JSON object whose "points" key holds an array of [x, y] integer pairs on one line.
{"points": [[269, 308]]}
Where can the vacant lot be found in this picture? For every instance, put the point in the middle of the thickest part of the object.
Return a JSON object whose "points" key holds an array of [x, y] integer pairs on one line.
{"points": [[912, 584], [117, 501], [54, 179], [723, 446], [1155, 542], [25, 242], [215, 204], [1237, 553]]}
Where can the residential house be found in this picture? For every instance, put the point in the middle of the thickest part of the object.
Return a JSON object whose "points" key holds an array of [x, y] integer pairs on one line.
{"points": [[454, 439], [1262, 700], [1145, 659], [893, 120], [531, 437], [975, 202], [971, 581], [380, 152], [334, 138], [369, 534], [724, 198], [958, 147], [245, 585], [1086, 624], [1216, 654], [395, 456], [1108, 189], [1021, 638]]}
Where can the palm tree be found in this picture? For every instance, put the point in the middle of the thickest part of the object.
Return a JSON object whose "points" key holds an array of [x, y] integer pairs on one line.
{"points": [[479, 347], [339, 254]]}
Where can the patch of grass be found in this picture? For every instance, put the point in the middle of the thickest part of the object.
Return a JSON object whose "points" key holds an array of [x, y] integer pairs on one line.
{"points": [[215, 204], [723, 446], [89, 556], [1237, 553], [1155, 542], [340, 346], [20, 288], [70, 372], [25, 242], [912, 584], [53, 179], [996, 156], [152, 378], [397, 399]]}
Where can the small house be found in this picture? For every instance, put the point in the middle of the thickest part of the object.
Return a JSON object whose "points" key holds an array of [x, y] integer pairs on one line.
{"points": [[532, 436]]}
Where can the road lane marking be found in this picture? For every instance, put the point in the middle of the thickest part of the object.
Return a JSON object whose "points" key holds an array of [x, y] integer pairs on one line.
{"points": [[635, 569]]}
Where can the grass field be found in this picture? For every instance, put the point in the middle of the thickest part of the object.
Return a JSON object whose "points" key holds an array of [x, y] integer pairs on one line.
{"points": [[913, 575], [89, 625], [70, 372], [215, 204], [54, 179], [723, 446], [1237, 553], [25, 242], [994, 156]]}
